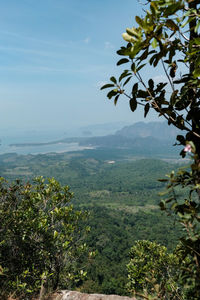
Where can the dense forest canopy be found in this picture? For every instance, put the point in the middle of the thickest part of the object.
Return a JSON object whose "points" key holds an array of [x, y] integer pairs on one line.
{"points": [[122, 202]]}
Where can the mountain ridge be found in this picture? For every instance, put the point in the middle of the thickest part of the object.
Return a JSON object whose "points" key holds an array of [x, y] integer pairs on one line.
{"points": [[152, 137], [160, 130]]}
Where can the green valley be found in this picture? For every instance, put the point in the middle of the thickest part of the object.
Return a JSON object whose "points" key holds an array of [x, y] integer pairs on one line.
{"points": [[120, 194]]}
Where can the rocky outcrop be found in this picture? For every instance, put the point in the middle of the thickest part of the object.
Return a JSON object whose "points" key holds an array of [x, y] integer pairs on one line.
{"points": [[73, 295]]}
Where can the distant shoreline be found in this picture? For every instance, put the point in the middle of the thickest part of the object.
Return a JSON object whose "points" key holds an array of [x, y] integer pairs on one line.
{"points": [[35, 144], [63, 141]]}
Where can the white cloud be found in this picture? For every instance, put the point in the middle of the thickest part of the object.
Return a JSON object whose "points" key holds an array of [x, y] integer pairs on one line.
{"points": [[94, 69], [160, 78], [14, 36], [28, 51], [86, 40], [108, 45]]}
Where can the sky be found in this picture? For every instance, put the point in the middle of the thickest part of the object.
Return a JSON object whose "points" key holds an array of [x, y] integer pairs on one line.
{"points": [[55, 55]]}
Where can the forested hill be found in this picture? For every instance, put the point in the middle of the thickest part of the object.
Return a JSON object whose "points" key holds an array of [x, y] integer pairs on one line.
{"points": [[122, 201], [154, 138], [159, 130], [119, 191]]}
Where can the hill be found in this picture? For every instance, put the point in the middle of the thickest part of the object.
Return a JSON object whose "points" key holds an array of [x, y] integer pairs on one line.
{"points": [[154, 138], [121, 199], [159, 130]]}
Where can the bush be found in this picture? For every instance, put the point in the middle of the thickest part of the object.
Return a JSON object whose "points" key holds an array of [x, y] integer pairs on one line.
{"points": [[39, 237], [153, 271]]}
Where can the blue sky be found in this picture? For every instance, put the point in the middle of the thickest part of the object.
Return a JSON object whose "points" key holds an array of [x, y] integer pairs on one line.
{"points": [[54, 56]]}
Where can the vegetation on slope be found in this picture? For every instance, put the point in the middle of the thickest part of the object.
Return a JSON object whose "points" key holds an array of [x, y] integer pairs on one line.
{"points": [[122, 202]]}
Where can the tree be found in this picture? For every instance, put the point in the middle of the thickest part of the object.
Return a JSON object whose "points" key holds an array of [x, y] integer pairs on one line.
{"points": [[152, 270], [168, 38], [39, 238]]}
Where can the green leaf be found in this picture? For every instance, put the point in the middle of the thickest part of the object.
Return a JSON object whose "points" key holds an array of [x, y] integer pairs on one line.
{"points": [[182, 80], [144, 55], [124, 51], [181, 139], [134, 89], [155, 5], [108, 85], [197, 62], [127, 80], [124, 74], [133, 68], [133, 104], [128, 38], [154, 43], [139, 21], [111, 94], [113, 79], [151, 84], [173, 97], [196, 73], [163, 180], [152, 59], [157, 59], [153, 8], [160, 87], [116, 99], [55, 234], [196, 41], [197, 26], [122, 61], [140, 67], [146, 109], [173, 8], [133, 32], [162, 205], [135, 50], [142, 94], [172, 25]]}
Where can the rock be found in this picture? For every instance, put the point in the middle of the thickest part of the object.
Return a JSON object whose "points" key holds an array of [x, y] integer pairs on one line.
{"points": [[73, 295]]}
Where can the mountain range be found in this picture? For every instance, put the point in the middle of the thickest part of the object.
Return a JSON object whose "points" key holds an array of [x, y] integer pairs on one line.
{"points": [[152, 137], [158, 130]]}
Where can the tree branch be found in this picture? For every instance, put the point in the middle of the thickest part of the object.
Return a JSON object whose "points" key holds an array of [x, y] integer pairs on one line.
{"points": [[156, 106], [170, 81]]}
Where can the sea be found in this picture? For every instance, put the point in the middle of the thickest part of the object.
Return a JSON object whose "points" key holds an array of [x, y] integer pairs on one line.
{"points": [[6, 142]]}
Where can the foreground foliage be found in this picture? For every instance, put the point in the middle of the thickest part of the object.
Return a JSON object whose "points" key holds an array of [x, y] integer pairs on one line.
{"points": [[122, 202], [152, 270], [39, 238], [167, 38]]}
